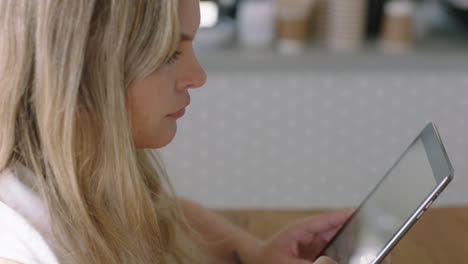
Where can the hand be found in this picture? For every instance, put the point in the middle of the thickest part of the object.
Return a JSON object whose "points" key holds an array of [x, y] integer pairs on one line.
{"points": [[301, 241], [325, 260]]}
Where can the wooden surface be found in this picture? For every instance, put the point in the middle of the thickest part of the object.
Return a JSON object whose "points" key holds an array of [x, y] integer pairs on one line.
{"points": [[439, 237]]}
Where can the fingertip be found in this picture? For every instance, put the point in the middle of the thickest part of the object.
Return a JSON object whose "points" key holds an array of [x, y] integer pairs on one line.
{"points": [[325, 260]]}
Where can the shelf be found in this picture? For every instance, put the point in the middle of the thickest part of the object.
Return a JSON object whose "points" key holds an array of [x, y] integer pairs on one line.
{"points": [[436, 56]]}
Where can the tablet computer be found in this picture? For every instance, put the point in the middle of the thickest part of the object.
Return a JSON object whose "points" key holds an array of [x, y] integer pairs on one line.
{"points": [[408, 188]]}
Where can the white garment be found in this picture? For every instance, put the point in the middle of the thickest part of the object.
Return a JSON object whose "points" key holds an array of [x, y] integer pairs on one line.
{"points": [[24, 226]]}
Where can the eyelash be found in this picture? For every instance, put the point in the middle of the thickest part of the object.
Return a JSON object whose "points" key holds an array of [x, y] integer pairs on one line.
{"points": [[174, 57]]}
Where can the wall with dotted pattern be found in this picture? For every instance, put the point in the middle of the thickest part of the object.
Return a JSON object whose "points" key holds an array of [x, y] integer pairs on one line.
{"points": [[311, 140]]}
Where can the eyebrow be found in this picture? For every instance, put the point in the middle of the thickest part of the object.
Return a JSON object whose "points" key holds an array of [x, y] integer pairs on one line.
{"points": [[187, 37]]}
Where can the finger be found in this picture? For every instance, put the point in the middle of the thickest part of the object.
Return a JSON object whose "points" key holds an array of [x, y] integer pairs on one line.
{"points": [[323, 223], [316, 244], [325, 260], [306, 230], [292, 261], [387, 260], [300, 262], [327, 236], [312, 249], [309, 238]]}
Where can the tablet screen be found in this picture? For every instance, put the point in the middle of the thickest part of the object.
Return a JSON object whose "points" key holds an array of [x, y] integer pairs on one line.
{"points": [[395, 199]]}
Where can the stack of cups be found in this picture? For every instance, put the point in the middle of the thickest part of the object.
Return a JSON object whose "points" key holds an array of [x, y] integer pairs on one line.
{"points": [[346, 21], [397, 34], [256, 23], [320, 20], [293, 25]]}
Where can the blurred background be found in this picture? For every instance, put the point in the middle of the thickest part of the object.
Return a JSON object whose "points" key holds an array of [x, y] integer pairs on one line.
{"points": [[309, 102]]}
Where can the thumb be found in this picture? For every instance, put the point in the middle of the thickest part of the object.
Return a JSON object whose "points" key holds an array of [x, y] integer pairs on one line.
{"points": [[325, 260]]}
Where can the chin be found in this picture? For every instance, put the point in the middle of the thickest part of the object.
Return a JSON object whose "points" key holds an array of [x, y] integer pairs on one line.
{"points": [[161, 139], [161, 143]]}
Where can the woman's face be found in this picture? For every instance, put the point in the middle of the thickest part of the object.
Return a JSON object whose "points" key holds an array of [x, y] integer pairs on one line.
{"points": [[156, 102]]}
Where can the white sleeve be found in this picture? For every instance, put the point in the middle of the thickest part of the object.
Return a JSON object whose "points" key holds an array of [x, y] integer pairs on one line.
{"points": [[20, 242]]}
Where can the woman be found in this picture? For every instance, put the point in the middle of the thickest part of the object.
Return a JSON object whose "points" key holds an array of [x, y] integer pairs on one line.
{"points": [[87, 89]]}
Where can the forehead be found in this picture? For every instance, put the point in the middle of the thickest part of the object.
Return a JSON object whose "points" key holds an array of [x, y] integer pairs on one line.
{"points": [[189, 16]]}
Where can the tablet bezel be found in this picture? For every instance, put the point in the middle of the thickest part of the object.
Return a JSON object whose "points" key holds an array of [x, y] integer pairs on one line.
{"points": [[442, 171]]}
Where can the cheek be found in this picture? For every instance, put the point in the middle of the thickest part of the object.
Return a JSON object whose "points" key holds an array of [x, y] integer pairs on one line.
{"points": [[149, 103], [151, 97], [145, 103]]}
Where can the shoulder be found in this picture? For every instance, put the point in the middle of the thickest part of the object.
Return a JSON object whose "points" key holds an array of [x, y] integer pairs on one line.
{"points": [[6, 261], [19, 241]]}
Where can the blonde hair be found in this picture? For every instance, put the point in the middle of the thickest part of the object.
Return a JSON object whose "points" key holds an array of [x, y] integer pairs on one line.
{"points": [[65, 68]]}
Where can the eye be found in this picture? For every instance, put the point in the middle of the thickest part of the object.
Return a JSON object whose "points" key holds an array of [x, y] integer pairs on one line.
{"points": [[174, 57]]}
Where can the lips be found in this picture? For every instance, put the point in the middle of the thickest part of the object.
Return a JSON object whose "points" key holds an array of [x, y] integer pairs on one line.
{"points": [[178, 114], [181, 111]]}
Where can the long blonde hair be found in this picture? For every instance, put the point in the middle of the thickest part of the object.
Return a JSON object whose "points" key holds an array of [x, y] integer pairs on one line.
{"points": [[65, 68]]}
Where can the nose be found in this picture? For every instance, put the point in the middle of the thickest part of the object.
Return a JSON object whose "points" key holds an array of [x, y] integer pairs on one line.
{"points": [[194, 76], [200, 76]]}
